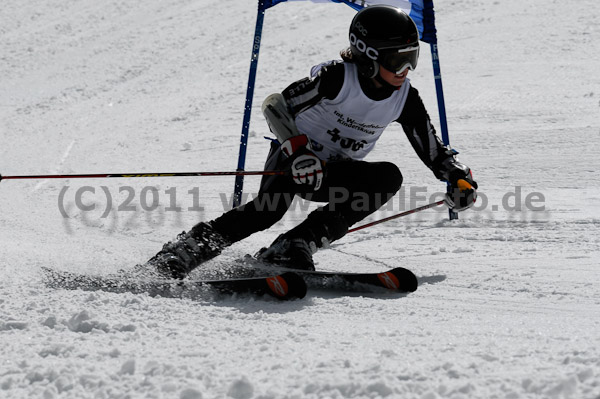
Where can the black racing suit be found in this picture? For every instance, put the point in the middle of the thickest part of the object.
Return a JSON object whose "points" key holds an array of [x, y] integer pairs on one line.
{"points": [[352, 189]]}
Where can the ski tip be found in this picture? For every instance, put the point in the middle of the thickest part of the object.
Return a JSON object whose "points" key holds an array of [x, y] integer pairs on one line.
{"points": [[406, 281], [287, 286]]}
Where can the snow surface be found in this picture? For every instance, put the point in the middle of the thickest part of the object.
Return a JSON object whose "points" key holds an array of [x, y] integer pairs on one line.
{"points": [[508, 305]]}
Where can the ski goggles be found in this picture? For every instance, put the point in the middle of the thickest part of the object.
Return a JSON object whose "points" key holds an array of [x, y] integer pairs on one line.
{"points": [[399, 60]]}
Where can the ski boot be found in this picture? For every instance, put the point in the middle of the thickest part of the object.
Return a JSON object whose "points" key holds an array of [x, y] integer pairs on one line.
{"points": [[179, 257], [295, 249], [294, 253]]}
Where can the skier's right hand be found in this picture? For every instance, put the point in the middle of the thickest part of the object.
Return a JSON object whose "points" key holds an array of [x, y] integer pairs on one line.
{"points": [[306, 168]]}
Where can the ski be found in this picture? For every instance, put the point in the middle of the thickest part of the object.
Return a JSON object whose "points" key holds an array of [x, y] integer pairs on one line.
{"points": [[284, 286], [397, 279]]}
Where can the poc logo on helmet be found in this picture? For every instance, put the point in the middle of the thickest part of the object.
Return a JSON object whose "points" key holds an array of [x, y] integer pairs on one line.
{"points": [[363, 31], [363, 48]]}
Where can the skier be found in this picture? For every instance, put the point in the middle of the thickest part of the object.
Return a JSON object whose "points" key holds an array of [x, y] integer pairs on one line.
{"points": [[327, 124]]}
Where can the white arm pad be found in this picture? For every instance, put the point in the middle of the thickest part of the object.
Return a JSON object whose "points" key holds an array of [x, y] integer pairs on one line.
{"points": [[279, 119]]}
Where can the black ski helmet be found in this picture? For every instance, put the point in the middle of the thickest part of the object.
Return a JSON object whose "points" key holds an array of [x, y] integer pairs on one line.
{"points": [[383, 35]]}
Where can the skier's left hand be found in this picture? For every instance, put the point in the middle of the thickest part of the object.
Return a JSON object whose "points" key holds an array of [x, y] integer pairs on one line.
{"points": [[463, 189], [462, 193]]}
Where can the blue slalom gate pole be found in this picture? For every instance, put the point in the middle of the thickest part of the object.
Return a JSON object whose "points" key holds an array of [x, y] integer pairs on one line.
{"points": [[239, 180], [437, 74]]}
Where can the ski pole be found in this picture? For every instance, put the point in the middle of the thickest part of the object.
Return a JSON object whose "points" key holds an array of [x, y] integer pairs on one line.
{"points": [[101, 175], [421, 208]]}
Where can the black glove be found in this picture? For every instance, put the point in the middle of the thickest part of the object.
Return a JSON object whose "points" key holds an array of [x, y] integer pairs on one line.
{"points": [[462, 192]]}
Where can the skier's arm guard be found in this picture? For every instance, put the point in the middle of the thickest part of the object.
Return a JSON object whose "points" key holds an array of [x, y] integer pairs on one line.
{"points": [[279, 118]]}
